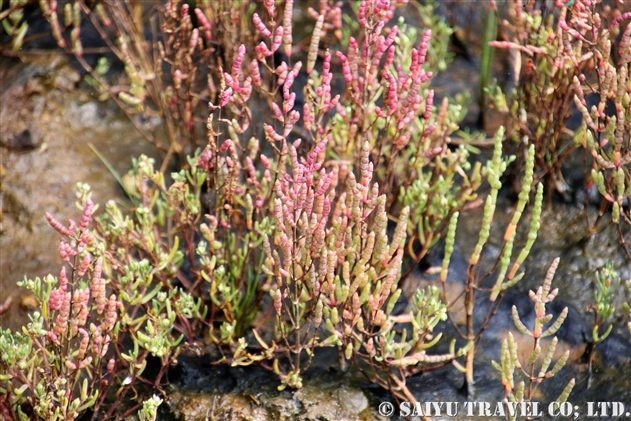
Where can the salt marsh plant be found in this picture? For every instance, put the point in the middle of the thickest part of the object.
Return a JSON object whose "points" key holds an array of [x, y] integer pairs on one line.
{"points": [[605, 130], [545, 58], [607, 285], [271, 240], [536, 369], [70, 360], [475, 277], [330, 261], [172, 78], [260, 211], [563, 58], [303, 219], [175, 83], [13, 24]]}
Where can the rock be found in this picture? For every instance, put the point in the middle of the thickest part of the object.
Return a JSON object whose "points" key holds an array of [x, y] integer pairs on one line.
{"points": [[34, 86], [66, 78], [27, 140], [282, 407], [353, 401], [317, 404], [229, 407], [255, 397], [15, 207], [331, 403]]}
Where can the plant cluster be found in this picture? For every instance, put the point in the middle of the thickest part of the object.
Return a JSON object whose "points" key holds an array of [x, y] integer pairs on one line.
{"points": [[13, 24], [521, 391], [86, 348], [175, 77], [301, 204], [304, 221], [569, 57], [607, 286], [324, 194], [171, 77], [477, 280]]}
